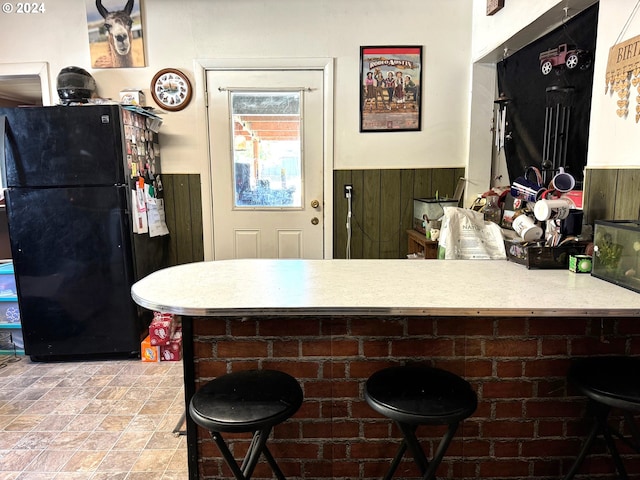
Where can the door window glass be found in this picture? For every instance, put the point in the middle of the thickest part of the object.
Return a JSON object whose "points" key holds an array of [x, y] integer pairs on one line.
{"points": [[267, 151]]}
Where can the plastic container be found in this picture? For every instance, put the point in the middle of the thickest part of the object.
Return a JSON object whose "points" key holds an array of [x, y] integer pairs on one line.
{"points": [[616, 252]]}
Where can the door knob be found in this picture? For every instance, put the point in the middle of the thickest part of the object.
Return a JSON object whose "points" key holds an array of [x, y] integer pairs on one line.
{"points": [[315, 221], [315, 203]]}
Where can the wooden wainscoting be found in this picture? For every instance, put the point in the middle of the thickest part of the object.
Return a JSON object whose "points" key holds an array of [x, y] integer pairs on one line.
{"points": [[183, 208], [382, 207], [611, 194]]}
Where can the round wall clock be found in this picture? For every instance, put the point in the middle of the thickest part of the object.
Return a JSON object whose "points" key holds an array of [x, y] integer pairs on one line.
{"points": [[171, 90]]}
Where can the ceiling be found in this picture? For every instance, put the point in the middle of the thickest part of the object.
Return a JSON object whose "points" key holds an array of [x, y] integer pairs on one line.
{"points": [[20, 90]]}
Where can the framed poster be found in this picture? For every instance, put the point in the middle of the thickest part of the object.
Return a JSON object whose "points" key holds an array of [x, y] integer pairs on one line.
{"points": [[390, 88], [115, 33]]}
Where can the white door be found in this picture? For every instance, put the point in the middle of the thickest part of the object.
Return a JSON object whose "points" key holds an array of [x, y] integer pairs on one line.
{"points": [[266, 147]]}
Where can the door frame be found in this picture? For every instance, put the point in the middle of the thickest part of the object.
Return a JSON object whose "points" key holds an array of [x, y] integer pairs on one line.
{"points": [[326, 66]]}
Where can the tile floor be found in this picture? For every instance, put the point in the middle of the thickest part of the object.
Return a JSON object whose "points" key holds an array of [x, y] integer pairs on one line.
{"points": [[91, 420]]}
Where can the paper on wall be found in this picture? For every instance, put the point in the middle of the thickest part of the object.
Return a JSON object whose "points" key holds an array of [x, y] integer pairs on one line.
{"points": [[156, 217]]}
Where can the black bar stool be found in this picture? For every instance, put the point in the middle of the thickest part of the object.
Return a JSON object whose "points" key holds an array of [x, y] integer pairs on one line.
{"points": [[608, 382], [246, 401], [420, 395]]}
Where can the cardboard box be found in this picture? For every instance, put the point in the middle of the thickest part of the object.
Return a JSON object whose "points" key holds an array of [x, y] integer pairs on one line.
{"points": [[173, 351], [161, 328], [148, 352], [580, 263], [132, 96]]}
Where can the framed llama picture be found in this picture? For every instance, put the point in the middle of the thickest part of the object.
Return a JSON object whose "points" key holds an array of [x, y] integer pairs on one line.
{"points": [[115, 33], [390, 88]]}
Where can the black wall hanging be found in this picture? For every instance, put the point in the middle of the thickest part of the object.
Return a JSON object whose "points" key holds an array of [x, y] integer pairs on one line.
{"points": [[549, 91]]}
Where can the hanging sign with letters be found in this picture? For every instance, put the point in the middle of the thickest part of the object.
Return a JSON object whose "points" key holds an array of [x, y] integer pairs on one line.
{"points": [[623, 71]]}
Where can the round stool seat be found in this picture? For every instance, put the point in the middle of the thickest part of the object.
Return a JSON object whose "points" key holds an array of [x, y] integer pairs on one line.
{"points": [[612, 381], [420, 395], [246, 401]]}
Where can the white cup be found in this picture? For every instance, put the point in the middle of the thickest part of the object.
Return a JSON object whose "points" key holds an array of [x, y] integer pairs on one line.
{"points": [[557, 209], [525, 227], [562, 181]]}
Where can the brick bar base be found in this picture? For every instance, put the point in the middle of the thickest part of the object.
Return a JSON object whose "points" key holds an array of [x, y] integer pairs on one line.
{"points": [[529, 424]]}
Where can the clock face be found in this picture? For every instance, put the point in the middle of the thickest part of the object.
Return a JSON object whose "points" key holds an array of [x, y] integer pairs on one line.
{"points": [[171, 89]]}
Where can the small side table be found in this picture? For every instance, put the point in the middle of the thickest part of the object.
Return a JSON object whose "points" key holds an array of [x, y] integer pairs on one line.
{"points": [[418, 243]]}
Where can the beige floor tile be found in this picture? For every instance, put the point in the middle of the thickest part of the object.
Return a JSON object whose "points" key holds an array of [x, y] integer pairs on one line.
{"points": [[152, 460], [108, 420], [69, 440], [145, 423], [111, 393], [9, 440], [178, 462], [109, 476], [9, 475], [42, 407], [16, 460], [54, 423], [71, 476], [119, 460], [35, 441], [84, 461], [101, 440], [24, 423], [50, 461], [131, 440], [84, 422], [115, 422]]}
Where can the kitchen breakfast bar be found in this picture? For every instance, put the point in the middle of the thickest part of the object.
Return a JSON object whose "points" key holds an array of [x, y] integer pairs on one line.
{"points": [[511, 332]]}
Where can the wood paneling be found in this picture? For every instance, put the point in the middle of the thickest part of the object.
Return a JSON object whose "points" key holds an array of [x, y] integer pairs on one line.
{"points": [[183, 209], [611, 194], [382, 207]]}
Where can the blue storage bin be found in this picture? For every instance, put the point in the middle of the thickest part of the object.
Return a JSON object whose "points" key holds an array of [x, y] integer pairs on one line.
{"points": [[7, 281]]}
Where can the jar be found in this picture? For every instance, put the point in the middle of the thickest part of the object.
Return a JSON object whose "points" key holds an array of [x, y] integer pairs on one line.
{"points": [[492, 211]]}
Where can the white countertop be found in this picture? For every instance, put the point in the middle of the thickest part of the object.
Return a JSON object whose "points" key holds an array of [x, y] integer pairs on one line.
{"points": [[374, 287]]}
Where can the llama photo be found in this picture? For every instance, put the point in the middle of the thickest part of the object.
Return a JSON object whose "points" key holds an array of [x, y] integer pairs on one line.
{"points": [[115, 33]]}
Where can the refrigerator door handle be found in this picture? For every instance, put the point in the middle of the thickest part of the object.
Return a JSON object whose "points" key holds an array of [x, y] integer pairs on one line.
{"points": [[3, 165], [125, 233]]}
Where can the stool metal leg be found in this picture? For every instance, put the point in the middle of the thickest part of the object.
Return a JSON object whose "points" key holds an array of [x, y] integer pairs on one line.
{"points": [[233, 465], [272, 462], [396, 460], [255, 449], [411, 441], [601, 425], [430, 474], [258, 446], [611, 445], [427, 468], [586, 446], [634, 443]]}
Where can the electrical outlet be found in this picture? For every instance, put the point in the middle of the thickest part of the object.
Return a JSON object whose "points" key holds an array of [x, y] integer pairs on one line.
{"points": [[348, 189]]}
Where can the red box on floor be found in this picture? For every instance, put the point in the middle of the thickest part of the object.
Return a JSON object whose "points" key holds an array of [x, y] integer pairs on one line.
{"points": [[173, 351], [148, 352], [161, 328]]}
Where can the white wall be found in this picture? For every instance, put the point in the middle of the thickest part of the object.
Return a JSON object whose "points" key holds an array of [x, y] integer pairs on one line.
{"points": [[177, 33], [613, 141]]}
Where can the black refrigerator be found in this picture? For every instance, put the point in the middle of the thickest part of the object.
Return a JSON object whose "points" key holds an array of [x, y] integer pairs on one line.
{"points": [[72, 175]]}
